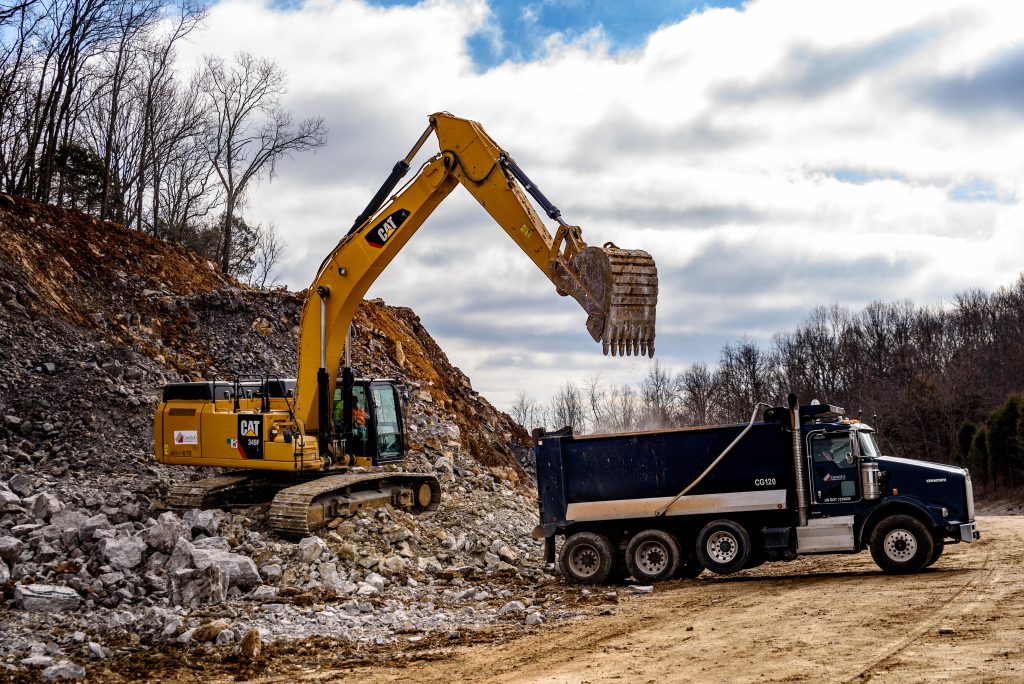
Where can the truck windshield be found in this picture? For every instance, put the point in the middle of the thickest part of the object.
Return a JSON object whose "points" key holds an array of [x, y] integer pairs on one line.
{"points": [[868, 448]]}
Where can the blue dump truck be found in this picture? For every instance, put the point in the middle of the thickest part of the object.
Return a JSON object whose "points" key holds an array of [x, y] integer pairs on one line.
{"points": [[802, 480]]}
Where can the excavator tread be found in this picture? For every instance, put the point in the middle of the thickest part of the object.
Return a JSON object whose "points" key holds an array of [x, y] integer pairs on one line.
{"points": [[209, 492], [289, 510]]}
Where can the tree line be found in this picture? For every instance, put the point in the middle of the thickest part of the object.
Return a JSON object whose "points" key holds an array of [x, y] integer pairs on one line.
{"points": [[940, 383], [95, 115]]}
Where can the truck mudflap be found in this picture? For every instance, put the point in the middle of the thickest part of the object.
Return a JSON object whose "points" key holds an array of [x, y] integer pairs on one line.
{"points": [[969, 532]]}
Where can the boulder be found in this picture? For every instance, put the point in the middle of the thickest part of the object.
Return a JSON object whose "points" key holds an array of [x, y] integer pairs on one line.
{"points": [[209, 631], [311, 548], [263, 593], [10, 549], [63, 671], [271, 572], [240, 570], [164, 535], [45, 505], [181, 557], [46, 598], [376, 581], [68, 518], [5, 572], [215, 543], [20, 484], [99, 521], [251, 645], [205, 522], [192, 587], [511, 606], [124, 553]]}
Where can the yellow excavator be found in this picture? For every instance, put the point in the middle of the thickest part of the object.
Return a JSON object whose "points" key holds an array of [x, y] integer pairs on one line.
{"points": [[293, 441]]}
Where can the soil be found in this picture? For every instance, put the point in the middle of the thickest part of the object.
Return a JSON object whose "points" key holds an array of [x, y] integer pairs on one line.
{"points": [[829, 618]]}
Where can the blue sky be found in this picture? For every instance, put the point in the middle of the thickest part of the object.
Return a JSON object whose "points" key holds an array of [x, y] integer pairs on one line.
{"points": [[523, 27]]}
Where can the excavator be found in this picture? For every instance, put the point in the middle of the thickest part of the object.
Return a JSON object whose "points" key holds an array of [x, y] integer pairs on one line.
{"points": [[295, 442]]}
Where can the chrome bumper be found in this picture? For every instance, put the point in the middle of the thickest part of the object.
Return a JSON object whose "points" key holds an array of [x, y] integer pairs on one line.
{"points": [[969, 532]]}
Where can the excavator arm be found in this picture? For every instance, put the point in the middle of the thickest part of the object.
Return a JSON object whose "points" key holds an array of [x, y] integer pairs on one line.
{"points": [[617, 288]]}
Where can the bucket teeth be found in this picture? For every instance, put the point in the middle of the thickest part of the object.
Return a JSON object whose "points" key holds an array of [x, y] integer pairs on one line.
{"points": [[619, 289], [631, 295]]}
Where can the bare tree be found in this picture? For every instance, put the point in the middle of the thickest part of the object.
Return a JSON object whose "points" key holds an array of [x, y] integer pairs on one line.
{"points": [[526, 411], [698, 387], [269, 248], [567, 409], [248, 130], [659, 393]]}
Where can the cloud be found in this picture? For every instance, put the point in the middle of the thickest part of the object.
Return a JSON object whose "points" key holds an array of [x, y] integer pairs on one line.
{"points": [[773, 158], [995, 89]]}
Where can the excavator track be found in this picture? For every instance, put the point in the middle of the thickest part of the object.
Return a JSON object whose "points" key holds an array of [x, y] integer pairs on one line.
{"points": [[300, 510], [211, 492]]}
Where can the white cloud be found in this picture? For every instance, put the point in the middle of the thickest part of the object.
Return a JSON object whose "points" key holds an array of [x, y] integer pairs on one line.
{"points": [[771, 159]]}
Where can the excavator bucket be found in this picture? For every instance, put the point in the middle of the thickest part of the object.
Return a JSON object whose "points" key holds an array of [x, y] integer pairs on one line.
{"points": [[624, 283]]}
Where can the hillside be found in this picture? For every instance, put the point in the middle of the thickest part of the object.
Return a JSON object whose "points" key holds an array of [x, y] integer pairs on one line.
{"points": [[94, 319]]}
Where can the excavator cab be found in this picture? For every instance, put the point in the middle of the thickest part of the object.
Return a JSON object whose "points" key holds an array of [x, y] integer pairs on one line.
{"points": [[375, 434]]}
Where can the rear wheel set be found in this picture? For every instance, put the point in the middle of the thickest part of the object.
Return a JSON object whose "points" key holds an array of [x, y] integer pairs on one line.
{"points": [[651, 556]]}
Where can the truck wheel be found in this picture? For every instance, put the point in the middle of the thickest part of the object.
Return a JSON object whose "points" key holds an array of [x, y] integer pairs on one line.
{"points": [[586, 558], [653, 556], [901, 544], [723, 546], [940, 544]]}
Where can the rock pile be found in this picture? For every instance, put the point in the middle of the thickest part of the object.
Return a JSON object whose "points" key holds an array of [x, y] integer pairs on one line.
{"points": [[91, 562]]}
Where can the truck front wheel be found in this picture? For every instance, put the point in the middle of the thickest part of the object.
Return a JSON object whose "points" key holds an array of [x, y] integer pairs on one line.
{"points": [[653, 556], [586, 558], [901, 544], [723, 546]]}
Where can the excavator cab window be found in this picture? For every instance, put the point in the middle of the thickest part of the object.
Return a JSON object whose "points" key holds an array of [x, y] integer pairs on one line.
{"points": [[357, 441], [388, 422]]}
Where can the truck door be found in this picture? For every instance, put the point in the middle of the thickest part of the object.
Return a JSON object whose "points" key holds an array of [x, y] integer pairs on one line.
{"points": [[834, 474]]}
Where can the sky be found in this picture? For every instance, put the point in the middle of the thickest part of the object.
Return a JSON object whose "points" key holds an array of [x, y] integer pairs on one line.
{"points": [[771, 156]]}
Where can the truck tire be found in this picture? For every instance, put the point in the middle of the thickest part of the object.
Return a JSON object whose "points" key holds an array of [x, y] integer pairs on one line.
{"points": [[940, 545], [586, 558], [653, 556], [723, 546], [901, 544]]}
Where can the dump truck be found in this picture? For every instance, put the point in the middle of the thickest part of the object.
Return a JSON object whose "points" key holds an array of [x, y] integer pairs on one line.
{"points": [[802, 480]]}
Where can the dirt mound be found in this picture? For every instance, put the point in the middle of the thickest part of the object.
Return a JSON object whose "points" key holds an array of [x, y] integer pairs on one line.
{"points": [[94, 320], [138, 312]]}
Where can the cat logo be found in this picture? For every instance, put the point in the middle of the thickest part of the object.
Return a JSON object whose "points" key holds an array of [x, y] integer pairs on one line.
{"points": [[250, 437], [382, 232]]}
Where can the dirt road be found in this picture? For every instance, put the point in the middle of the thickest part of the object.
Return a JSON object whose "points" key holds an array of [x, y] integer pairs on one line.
{"points": [[833, 618]]}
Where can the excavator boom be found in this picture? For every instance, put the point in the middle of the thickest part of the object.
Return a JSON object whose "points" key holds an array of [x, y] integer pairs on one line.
{"points": [[617, 288]]}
